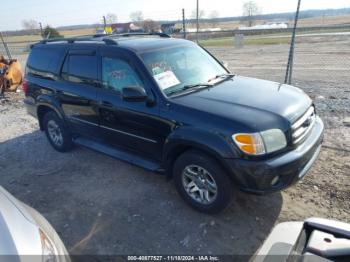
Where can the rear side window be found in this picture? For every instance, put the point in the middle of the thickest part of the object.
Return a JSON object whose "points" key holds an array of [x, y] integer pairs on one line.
{"points": [[80, 69], [45, 61]]}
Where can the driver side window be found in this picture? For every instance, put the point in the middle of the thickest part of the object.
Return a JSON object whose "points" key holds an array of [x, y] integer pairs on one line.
{"points": [[117, 73]]}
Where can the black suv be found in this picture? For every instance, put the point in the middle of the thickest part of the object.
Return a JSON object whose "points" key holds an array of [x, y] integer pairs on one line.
{"points": [[169, 106]]}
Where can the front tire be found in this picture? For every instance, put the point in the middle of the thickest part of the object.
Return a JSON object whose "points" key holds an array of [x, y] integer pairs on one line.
{"points": [[56, 132], [202, 182]]}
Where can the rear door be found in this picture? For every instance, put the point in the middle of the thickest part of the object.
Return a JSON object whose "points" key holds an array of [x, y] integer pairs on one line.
{"points": [[78, 90]]}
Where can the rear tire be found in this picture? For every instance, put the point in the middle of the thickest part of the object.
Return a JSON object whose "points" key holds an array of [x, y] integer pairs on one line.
{"points": [[56, 132], [202, 182]]}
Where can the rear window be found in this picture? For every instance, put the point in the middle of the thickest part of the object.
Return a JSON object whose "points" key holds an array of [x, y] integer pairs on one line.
{"points": [[45, 60]]}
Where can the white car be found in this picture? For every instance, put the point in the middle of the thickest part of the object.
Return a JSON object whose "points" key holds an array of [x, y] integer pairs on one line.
{"points": [[25, 235]]}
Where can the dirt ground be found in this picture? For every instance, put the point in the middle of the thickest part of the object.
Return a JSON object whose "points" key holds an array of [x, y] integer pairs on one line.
{"points": [[100, 205]]}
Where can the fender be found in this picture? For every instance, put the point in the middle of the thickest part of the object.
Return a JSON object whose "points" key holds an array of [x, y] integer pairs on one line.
{"points": [[213, 143], [48, 101]]}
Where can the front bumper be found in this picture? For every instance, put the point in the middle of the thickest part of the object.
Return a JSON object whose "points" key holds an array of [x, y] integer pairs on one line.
{"points": [[259, 177]]}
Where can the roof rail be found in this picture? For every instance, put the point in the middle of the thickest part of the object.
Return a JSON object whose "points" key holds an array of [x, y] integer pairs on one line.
{"points": [[142, 34], [107, 41]]}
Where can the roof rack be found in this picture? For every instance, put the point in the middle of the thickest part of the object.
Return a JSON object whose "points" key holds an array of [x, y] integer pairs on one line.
{"points": [[145, 34], [136, 34], [107, 41]]}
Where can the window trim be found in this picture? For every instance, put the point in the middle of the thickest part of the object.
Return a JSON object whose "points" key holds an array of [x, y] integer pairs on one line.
{"points": [[80, 52]]}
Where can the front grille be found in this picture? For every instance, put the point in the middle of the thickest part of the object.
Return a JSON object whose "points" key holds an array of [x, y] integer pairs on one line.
{"points": [[302, 127]]}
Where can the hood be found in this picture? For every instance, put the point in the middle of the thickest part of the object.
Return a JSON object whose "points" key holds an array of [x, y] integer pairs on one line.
{"points": [[243, 97], [19, 236]]}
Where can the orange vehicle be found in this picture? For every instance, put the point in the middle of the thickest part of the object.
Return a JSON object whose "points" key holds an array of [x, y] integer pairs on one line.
{"points": [[10, 75]]}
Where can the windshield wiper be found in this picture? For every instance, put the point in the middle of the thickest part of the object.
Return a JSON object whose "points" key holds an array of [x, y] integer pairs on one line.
{"points": [[224, 76], [196, 86], [187, 87]]}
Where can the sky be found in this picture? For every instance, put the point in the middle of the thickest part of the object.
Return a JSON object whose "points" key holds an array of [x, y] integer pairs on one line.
{"points": [[73, 12]]}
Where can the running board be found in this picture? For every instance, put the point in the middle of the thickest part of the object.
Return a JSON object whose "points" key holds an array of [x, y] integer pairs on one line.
{"points": [[118, 153]]}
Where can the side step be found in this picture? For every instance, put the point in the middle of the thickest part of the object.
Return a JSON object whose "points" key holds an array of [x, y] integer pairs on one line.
{"points": [[118, 153]]}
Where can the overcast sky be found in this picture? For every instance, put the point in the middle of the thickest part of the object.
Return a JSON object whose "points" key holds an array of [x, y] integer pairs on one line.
{"points": [[72, 12]]}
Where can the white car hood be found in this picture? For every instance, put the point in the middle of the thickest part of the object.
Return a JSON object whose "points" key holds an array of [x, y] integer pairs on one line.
{"points": [[18, 233]]}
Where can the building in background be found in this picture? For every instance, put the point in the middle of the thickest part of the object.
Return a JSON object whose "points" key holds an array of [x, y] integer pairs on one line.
{"points": [[120, 28]]}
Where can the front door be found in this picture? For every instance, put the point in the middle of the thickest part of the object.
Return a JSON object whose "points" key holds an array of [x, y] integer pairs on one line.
{"points": [[133, 126]]}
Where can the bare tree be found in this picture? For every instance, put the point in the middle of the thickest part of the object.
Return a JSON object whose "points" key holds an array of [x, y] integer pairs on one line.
{"points": [[250, 10], [150, 26], [213, 16], [201, 15], [111, 18], [30, 25], [137, 17]]}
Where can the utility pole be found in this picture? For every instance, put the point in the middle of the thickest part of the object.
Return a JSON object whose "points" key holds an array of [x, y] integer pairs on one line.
{"points": [[104, 23], [41, 29], [289, 71], [197, 20], [183, 23]]}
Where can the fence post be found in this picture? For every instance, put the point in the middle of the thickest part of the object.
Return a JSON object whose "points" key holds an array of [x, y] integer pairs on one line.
{"points": [[239, 40], [183, 23], [197, 20], [5, 47]]}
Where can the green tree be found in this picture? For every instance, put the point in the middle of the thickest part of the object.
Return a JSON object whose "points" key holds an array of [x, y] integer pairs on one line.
{"points": [[50, 32]]}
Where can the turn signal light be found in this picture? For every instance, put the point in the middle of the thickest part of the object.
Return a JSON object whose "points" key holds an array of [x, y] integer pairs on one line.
{"points": [[251, 144]]}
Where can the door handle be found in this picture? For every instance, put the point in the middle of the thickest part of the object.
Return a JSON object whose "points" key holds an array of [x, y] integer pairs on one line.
{"points": [[106, 104]]}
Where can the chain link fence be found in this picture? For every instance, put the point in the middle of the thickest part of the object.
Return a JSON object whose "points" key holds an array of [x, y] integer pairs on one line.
{"points": [[321, 59]]}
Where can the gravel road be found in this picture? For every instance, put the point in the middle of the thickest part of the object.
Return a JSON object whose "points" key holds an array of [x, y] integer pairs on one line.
{"points": [[100, 205]]}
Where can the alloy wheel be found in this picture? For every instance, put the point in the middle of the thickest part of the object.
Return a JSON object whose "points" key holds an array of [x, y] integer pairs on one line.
{"points": [[199, 184], [55, 133]]}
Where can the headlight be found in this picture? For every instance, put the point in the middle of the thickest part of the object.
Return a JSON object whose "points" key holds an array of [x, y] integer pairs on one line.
{"points": [[260, 143], [49, 251]]}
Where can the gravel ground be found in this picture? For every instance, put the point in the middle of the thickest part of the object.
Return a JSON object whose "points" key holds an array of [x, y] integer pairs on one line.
{"points": [[100, 205]]}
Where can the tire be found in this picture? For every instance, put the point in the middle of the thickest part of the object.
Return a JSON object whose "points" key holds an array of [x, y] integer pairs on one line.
{"points": [[210, 176], [56, 132]]}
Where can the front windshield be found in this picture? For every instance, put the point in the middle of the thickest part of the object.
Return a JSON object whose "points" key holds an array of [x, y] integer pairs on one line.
{"points": [[177, 67]]}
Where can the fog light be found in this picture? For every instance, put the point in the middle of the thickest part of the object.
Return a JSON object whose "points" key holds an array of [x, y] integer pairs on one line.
{"points": [[275, 180]]}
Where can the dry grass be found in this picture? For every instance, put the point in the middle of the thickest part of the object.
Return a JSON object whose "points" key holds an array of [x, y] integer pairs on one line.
{"points": [[79, 32], [229, 41], [34, 38], [314, 21], [22, 38], [324, 21]]}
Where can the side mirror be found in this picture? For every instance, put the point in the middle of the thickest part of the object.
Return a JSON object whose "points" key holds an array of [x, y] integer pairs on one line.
{"points": [[134, 94]]}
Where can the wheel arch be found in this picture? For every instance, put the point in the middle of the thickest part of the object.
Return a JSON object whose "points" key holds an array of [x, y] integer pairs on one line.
{"points": [[42, 109], [176, 149]]}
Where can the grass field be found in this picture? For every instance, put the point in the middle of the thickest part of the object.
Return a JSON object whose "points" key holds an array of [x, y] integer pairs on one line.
{"points": [[226, 41], [229, 41], [305, 22]]}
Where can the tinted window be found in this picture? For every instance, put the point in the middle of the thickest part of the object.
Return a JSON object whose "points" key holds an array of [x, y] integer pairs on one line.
{"points": [[80, 69], [45, 60], [117, 73]]}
